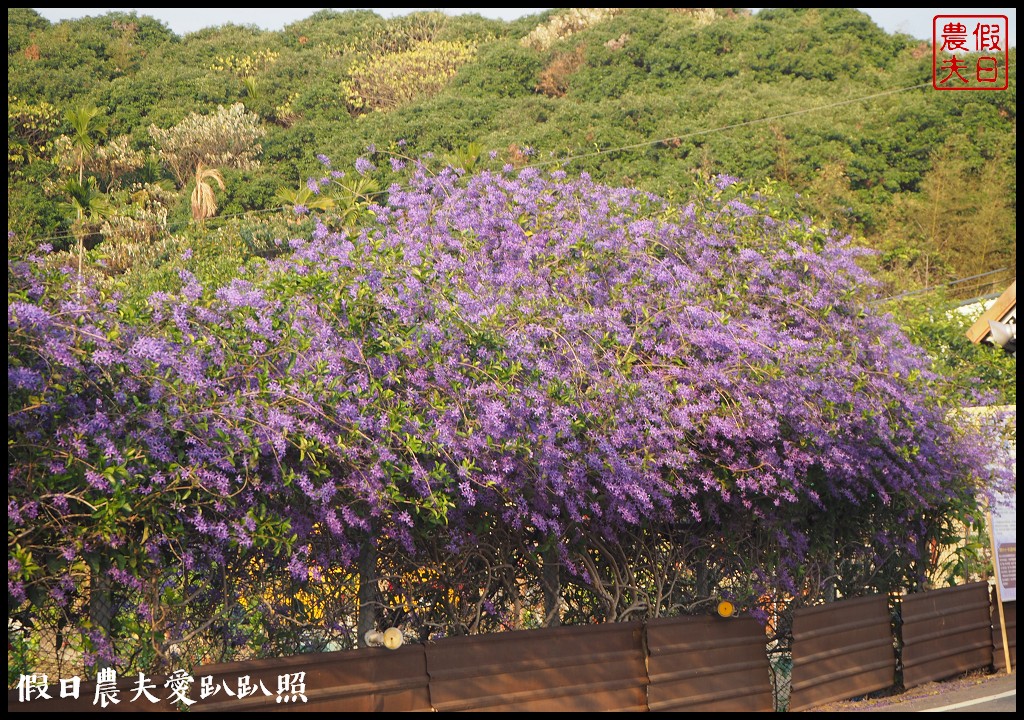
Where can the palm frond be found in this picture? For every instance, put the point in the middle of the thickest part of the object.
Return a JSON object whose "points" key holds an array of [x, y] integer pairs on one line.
{"points": [[204, 202]]}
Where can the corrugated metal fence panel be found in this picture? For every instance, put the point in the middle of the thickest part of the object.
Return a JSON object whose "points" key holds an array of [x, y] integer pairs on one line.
{"points": [[708, 664], [596, 668], [365, 680], [1010, 612], [841, 650], [946, 632]]}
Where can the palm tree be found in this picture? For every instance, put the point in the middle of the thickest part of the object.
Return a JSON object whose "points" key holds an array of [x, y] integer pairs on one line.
{"points": [[89, 206], [204, 204], [354, 196], [303, 197], [252, 89], [81, 119], [467, 157]]}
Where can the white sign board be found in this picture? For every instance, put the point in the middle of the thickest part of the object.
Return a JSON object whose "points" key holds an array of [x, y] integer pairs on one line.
{"points": [[1004, 544]]}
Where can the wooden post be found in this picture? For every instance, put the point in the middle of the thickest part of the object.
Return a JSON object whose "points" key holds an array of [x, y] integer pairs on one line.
{"points": [[999, 591]]}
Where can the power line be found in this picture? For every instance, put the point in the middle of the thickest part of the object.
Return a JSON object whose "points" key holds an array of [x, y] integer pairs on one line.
{"points": [[732, 126], [941, 285], [633, 146], [170, 228]]}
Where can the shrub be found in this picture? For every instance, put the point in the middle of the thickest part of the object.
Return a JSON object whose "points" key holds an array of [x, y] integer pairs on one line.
{"points": [[565, 25], [31, 128], [503, 69], [228, 138], [387, 81], [554, 80]]}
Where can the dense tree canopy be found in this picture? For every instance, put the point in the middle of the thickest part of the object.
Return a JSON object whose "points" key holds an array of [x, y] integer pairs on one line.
{"points": [[765, 96]]}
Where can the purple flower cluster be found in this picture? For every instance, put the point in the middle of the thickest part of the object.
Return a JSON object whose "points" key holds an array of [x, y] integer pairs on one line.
{"points": [[513, 356]]}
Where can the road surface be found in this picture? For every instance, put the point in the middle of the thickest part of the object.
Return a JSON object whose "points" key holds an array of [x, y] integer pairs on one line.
{"points": [[995, 692]]}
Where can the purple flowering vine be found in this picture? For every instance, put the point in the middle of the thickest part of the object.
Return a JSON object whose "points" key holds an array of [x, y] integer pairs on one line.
{"points": [[509, 368]]}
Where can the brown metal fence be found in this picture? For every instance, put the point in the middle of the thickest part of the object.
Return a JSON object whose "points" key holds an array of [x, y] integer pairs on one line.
{"points": [[593, 668], [708, 665], [946, 632], [1010, 613], [365, 680], [839, 651]]}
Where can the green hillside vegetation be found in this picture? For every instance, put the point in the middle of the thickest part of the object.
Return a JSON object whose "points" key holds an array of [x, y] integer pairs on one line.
{"points": [[822, 103]]}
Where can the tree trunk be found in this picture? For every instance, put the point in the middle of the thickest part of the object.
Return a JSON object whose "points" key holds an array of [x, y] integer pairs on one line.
{"points": [[369, 592], [552, 583], [101, 607]]}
